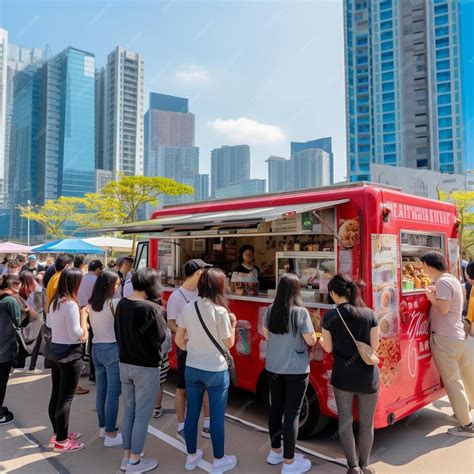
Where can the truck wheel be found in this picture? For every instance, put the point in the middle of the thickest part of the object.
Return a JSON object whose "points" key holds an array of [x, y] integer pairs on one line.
{"points": [[312, 421]]}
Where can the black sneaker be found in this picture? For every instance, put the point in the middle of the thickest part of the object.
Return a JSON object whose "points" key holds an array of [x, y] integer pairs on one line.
{"points": [[6, 418]]}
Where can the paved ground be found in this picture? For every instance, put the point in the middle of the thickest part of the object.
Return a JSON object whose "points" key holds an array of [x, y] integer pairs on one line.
{"points": [[417, 445]]}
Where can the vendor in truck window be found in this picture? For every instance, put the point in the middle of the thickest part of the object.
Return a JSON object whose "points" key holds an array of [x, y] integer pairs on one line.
{"points": [[246, 259]]}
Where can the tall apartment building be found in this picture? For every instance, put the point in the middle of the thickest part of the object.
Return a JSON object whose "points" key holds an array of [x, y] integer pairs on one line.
{"points": [[3, 107], [229, 165], [403, 85], [169, 143], [120, 89], [324, 144], [201, 187], [249, 187], [279, 174], [311, 168], [53, 131], [100, 123]]}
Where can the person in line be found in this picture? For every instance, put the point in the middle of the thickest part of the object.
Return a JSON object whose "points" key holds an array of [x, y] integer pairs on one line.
{"points": [[206, 367], [62, 262], [125, 270], [37, 300], [185, 294], [50, 270], [32, 265], [80, 262], [101, 309], [10, 316], [140, 329], [448, 342], [470, 297], [85, 292], [13, 267], [289, 331], [68, 331], [351, 377]]}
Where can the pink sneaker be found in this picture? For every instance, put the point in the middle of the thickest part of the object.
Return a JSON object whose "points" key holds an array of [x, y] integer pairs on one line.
{"points": [[70, 446], [72, 435]]}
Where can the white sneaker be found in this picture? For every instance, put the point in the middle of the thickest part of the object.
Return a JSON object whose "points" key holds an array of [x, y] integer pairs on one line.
{"points": [[111, 442], [102, 433], [298, 465], [34, 372], [275, 458], [144, 465], [124, 464], [224, 464], [192, 460]]}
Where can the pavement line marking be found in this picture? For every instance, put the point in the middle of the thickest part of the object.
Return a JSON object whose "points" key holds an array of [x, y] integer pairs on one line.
{"points": [[262, 429], [204, 465], [18, 432]]}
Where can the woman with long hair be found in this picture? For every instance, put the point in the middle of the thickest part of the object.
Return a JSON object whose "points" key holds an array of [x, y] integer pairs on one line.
{"points": [[351, 376], [206, 367], [68, 331], [290, 332], [105, 353], [140, 329], [10, 317]]}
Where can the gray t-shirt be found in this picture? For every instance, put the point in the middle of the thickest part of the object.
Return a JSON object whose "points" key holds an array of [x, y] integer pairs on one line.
{"points": [[448, 287], [288, 353]]}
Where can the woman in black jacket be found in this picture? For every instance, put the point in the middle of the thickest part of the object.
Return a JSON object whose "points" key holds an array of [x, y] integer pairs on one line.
{"points": [[351, 376]]}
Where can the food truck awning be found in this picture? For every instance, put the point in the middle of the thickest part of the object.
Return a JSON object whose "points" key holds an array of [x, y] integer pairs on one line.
{"points": [[232, 218]]}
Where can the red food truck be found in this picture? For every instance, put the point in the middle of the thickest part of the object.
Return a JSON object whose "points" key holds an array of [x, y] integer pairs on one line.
{"points": [[371, 232]]}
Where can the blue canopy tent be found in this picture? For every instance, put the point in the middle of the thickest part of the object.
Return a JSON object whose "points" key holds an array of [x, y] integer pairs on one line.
{"points": [[68, 246]]}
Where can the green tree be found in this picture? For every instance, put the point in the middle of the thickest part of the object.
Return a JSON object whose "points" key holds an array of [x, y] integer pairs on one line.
{"points": [[464, 201]]}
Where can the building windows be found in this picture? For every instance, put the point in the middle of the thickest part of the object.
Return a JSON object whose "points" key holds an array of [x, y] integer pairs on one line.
{"points": [[444, 99], [385, 4], [441, 20], [362, 90], [442, 53], [442, 42], [442, 31], [390, 148], [444, 88], [443, 76], [445, 134], [440, 65], [386, 35], [388, 86], [386, 15], [361, 40], [445, 111], [390, 159], [445, 122], [387, 76], [387, 45], [363, 148], [421, 151], [440, 9], [388, 118], [362, 59], [388, 56], [389, 137], [446, 157], [446, 146], [390, 107], [387, 66], [389, 127], [385, 25], [363, 109], [388, 97]]}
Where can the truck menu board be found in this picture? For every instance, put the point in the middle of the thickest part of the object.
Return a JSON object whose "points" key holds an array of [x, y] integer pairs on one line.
{"points": [[385, 269]]}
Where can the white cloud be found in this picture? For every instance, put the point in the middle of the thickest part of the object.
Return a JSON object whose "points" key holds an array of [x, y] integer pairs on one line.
{"points": [[247, 131], [192, 73]]}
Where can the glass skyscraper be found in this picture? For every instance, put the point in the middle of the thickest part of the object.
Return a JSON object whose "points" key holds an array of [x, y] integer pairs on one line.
{"points": [[403, 85], [229, 165]]}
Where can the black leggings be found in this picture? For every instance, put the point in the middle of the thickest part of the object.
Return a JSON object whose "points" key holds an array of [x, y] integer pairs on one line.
{"points": [[366, 403], [286, 392], [36, 351], [5, 368], [65, 377]]}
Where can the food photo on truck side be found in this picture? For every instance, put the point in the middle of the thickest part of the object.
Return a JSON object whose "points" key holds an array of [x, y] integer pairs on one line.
{"points": [[369, 232]]}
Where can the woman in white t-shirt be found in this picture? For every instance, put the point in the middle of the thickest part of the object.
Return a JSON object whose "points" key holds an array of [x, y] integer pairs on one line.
{"points": [[105, 354], [206, 367]]}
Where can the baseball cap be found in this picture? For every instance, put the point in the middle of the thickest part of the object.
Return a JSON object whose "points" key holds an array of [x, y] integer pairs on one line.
{"points": [[32, 257], [192, 266]]}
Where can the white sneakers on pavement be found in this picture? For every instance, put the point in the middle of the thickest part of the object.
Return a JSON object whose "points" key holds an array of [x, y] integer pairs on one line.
{"points": [[110, 442], [298, 465], [192, 460], [144, 465], [275, 458], [224, 464]]}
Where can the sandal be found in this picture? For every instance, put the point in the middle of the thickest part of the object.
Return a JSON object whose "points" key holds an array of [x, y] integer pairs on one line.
{"points": [[70, 446], [72, 435], [81, 391]]}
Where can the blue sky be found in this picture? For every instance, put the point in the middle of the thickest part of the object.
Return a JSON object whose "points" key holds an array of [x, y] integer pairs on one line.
{"points": [[467, 67], [257, 72]]}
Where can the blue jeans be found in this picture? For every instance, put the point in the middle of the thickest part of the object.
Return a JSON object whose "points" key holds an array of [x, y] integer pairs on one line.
{"points": [[107, 373], [139, 387], [217, 385]]}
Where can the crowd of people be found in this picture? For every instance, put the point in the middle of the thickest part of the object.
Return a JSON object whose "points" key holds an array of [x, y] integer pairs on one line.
{"points": [[70, 309]]}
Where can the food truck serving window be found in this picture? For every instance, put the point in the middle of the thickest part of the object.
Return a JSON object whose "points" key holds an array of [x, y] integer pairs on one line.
{"points": [[413, 245]]}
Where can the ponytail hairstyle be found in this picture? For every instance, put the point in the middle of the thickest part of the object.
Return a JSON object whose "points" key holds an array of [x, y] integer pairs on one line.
{"points": [[343, 286]]}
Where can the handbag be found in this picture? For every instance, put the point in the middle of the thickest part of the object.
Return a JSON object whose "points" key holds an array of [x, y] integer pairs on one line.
{"points": [[366, 352], [228, 358]]}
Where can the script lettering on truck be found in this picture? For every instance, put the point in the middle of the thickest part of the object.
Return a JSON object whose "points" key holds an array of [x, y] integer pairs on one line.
{"points": [[408, 212]]}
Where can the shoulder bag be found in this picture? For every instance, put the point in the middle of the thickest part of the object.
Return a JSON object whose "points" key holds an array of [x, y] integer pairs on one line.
{"points": [[367, 353], [228, 358]]}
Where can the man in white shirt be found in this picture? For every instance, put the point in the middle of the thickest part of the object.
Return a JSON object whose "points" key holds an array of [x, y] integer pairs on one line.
{"points": [[125, 268], [186, 293]]}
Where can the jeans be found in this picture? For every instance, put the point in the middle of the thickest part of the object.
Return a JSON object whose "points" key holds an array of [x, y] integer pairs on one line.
{"points": [[366, 403], [106, 360], [64, 377], [286, 393], [216, 384], [139, 387]]}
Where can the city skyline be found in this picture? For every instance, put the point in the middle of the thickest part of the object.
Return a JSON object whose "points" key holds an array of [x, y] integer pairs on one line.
{"points": [[241, 94]]}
